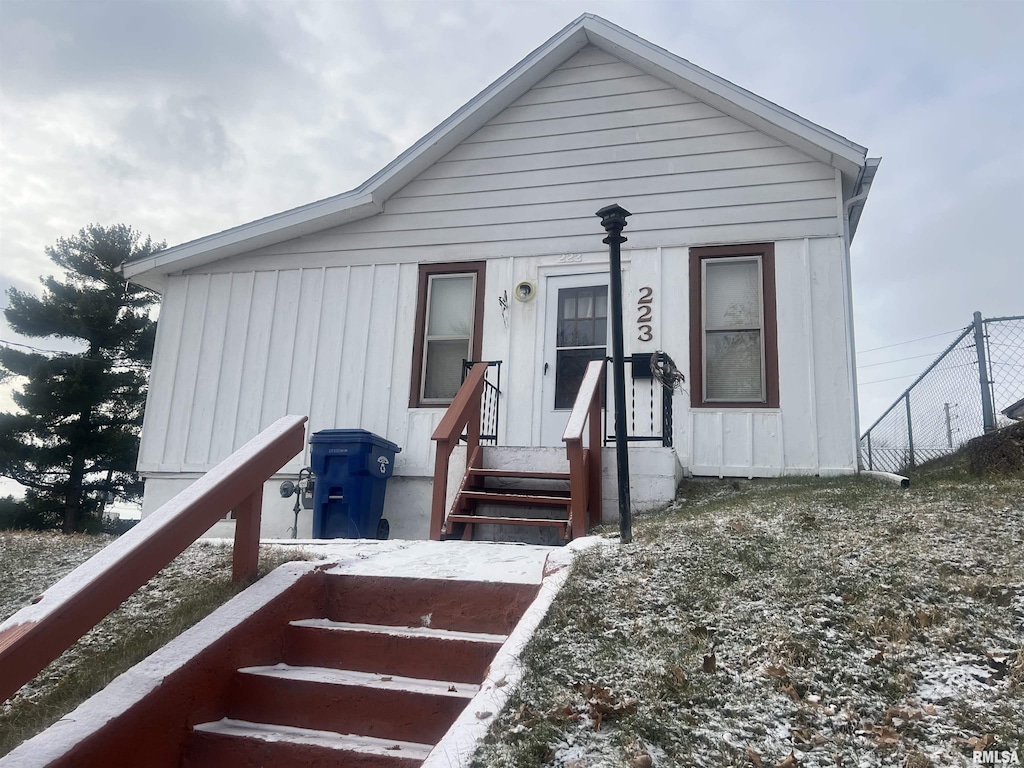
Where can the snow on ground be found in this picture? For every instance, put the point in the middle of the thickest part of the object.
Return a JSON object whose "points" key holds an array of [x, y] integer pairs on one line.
{"points": [[32, 562], [827, 623]]}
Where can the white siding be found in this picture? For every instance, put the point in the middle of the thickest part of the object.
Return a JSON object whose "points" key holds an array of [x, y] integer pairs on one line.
{"points": [[235, 352], [323, 325], [811, 431], [594, 131]]}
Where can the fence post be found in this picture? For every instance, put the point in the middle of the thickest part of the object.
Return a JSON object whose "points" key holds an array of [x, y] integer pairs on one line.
{"points": [[871, 465], [910, 431], [987, 411]]}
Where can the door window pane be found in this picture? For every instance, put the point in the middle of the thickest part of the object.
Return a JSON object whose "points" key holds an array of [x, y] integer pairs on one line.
{"points": [[582, 333], [570, 366]]}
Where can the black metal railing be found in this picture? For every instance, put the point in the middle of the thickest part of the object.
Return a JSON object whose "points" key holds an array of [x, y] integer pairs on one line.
{"points": [[488, 399], [649, 400]]}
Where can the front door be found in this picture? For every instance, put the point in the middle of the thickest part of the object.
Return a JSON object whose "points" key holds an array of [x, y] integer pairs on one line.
{"points": [[575, 332]]}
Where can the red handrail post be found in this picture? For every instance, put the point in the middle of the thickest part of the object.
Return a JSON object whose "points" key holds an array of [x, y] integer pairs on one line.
{"points": [[585, 464], [596, 443], [463, 413], [246, 556]]}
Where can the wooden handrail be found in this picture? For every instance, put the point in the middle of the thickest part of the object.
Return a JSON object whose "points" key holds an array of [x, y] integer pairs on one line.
{"points": [[585, 463], [463, 413], [39, 633]]}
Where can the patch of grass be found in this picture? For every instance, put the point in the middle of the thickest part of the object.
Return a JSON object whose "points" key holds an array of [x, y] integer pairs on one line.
{"points": [[840, 619], [188, 590]]}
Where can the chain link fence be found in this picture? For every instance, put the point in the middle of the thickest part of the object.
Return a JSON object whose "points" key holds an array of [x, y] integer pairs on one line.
{"points": [[974, 386]]}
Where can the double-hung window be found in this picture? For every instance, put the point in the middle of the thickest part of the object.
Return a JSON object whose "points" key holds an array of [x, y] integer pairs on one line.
{"points": [[734, 359], [448, 324]]}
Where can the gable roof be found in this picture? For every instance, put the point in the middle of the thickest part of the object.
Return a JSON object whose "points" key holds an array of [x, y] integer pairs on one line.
{"points": [[369, 197]]}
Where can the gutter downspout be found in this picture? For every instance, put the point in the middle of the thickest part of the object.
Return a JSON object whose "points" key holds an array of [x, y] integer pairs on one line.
{"points": [[852, 354]]}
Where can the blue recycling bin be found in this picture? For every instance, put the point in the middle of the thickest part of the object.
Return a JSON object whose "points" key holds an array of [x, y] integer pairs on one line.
{"points": [[351, 468]]}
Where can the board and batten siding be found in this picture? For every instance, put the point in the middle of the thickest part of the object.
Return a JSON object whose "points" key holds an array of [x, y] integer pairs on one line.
{"points": [[596, 130], [813, 430], [234, 352], [323, 324]]}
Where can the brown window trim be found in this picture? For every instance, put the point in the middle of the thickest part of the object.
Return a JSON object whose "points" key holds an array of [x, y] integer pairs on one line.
{"points": [[771, 329], [479, 268]]}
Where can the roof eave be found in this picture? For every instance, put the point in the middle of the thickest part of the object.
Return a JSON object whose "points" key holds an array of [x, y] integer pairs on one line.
{"points": [[761, 114], [287, 225], [861, 191], [368, 198]]}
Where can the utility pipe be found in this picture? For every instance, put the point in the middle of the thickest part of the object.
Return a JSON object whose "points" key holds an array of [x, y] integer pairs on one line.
{"points": [[889, 477]]}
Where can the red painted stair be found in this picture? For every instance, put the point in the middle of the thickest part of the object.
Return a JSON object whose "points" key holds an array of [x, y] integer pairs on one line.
{"points": [[374, 683]]}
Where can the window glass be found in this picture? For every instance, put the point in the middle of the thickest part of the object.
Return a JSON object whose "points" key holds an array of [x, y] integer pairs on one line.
{"points": [[442, 374], [732, 294], [448, 330], [733, 365], [451, 306]]}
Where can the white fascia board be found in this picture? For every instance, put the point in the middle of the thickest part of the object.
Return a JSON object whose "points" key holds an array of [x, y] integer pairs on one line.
{"points": [[368, 198], [476, 113], [332, 212], [755, 111]]}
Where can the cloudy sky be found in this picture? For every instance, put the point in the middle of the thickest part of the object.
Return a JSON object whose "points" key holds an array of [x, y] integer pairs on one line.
{"points": [[185, 117]]}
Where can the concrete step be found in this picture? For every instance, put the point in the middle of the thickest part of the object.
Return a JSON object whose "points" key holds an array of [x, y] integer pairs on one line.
{"points": [[344, 701], [247, 744], [417, 652], [463, 606]]}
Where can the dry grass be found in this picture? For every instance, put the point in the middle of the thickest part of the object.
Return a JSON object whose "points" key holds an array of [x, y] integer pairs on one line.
{"points": [[845, 622], [187, 590]]}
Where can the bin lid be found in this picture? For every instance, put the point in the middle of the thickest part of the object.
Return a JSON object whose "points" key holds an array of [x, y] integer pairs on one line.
{"points": [[336, 436]]}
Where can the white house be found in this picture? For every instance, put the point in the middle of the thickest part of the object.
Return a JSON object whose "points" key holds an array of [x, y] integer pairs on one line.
{"points": [[358, 310]]}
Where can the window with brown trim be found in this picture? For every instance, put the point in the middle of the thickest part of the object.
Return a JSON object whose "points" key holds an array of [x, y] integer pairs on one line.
{"points": [[449, 323], [734, 361]]}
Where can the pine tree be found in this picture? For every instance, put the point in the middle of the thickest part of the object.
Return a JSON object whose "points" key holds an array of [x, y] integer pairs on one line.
{"points": [[75, 440]]}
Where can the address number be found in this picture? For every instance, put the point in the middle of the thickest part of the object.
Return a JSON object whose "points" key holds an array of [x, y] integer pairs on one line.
{"points": [[570, 258], [645, 314]]}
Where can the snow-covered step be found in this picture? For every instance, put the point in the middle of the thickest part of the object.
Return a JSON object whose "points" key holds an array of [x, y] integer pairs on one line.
{"points": [[491, 607], [347, 701], [415, 652], [247, 744]]}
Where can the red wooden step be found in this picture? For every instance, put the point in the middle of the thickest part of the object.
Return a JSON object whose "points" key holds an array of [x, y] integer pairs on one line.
{"points": [[243, 744], [506, 497], [420, 652], [495, 520], [381, 706], [466, 606], [518, 473]]}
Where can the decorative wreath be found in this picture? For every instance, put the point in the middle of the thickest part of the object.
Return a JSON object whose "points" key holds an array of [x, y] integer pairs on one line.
{"points": [[663, 368]]}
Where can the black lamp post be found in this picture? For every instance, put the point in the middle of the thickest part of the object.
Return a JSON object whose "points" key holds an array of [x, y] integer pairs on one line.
{"points": [[613, 219]]}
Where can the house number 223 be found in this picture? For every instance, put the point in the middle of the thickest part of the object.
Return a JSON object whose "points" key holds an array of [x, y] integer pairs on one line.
{"points": [[644, 314]]}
